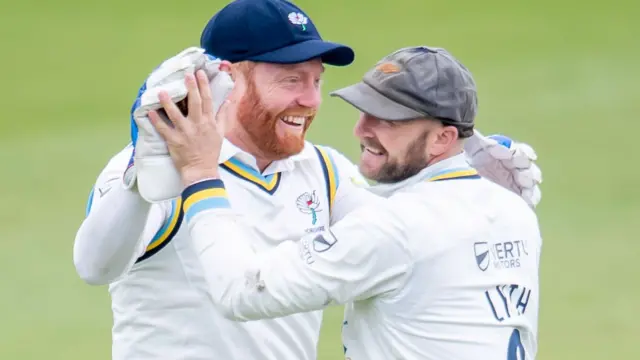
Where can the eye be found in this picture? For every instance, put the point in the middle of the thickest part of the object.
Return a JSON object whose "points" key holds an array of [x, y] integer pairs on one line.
{"points": [[292, 80], [318, 82]]}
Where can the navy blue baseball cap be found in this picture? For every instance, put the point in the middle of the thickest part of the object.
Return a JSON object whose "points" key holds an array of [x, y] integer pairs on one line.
{"points": [[272, 31]]}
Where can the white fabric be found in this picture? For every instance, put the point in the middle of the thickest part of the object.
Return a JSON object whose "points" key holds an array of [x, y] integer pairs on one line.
{"points": [[439, 270], [161, 307], [158, 180], [118, 227]]}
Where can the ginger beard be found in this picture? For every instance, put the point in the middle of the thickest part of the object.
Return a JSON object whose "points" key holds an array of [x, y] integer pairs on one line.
{"points": [[267, 129]]}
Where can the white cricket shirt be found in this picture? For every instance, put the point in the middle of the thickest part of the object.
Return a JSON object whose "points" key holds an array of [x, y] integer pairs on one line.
{"points": [[445, 267], [161, 306]]}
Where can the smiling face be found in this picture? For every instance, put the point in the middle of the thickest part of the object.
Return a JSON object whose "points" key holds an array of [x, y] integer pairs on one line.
{"points": [[275, 105], [393, 151]]}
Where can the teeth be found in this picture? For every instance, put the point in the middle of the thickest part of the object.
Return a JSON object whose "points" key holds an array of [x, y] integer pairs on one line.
{"points": [[373, 151], [294, 120]]}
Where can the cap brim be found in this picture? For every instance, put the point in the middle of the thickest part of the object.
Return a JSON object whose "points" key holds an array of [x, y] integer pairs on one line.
{"points": [[368, 100], [330, 53]]}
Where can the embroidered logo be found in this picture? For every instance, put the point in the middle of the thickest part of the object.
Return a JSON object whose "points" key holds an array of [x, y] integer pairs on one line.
{"points": [[388, 68], [298, 19], [308, 203]]}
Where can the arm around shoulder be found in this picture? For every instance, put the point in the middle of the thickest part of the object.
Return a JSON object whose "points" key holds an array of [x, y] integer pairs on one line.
{"points": [[362, 256], [117, 226]]}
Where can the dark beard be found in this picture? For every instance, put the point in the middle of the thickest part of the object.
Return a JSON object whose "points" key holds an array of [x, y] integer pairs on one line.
{"points": [[417, 160]]}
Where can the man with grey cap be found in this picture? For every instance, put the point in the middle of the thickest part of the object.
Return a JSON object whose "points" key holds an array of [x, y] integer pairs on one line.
{"points": [[443, 265]]}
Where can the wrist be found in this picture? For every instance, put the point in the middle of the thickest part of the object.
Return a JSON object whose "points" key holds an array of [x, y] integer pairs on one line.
{"points": [[192, 176], [204, 196]]}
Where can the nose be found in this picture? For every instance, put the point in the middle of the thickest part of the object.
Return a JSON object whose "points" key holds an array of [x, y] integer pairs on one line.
{"points": [[311, 97], [363, 127]]}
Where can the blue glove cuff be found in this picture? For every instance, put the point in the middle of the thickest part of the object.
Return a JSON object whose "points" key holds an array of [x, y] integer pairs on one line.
{"points": [[136, 104], [502, 140]]}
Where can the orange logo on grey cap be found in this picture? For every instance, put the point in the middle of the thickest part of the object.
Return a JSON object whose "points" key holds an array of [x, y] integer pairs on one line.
{"points": [[388, 68]]}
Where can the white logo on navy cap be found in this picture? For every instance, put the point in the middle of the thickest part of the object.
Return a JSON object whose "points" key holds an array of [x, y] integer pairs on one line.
{"points": [[298, 19]]}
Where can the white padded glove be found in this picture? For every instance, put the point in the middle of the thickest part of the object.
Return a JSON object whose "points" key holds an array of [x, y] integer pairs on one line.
{"points": [[507, 163], [157, 178]]}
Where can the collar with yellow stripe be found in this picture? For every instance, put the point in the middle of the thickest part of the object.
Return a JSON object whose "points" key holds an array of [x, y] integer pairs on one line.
{"points": [[268, 183], [455, 174]]}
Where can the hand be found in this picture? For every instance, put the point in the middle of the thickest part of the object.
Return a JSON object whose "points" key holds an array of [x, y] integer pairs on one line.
{"points": [[507, 163], [154, 172], [194, 141]]}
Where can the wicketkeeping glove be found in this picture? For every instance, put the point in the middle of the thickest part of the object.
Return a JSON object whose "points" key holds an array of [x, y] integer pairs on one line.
{"points": [[507, 163], [152, 168]]}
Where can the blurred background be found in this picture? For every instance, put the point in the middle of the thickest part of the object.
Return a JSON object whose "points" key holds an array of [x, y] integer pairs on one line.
{"points": [[560, 75]]}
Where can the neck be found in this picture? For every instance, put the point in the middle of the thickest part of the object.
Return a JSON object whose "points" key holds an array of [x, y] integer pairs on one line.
{"points": [[262, 164], [456, 150], [242, 141]]}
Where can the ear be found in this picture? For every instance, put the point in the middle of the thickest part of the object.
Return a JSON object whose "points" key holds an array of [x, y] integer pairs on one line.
{"points": [[443, 139], [227, 67], [449, 135]]}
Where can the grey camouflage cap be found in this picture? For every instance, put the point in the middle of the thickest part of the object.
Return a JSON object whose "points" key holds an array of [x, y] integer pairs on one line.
{"points": [[416, 82]]}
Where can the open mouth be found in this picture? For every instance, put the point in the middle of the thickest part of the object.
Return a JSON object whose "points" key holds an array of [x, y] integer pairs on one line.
{"points": [[373, 150], [295, 121]]}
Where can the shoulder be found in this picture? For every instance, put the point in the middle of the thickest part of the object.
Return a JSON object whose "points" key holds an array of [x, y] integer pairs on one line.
{"points": [[115, 167], [335, 155], [343, 166], [508, 201], [119, 161], [471, 198]]}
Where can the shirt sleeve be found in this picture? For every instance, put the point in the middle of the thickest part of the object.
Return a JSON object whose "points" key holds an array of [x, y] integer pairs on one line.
{"points": [[351, 187], [362, 256], [118, 227]]}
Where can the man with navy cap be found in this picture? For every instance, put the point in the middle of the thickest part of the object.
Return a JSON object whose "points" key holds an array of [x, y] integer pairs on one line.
{"points": [[287, 187], [443, 265], [269, 31]]}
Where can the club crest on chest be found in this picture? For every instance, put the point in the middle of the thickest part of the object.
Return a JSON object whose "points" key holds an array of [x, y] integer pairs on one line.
{"points": [[308, 203]]}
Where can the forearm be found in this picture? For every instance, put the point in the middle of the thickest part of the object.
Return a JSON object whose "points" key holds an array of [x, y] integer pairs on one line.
{"points": [[109, 240], [243, 284], [349, 199], [362, 256]]}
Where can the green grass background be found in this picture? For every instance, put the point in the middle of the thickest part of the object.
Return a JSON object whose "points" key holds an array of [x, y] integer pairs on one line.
{"points": [[561, 75]]}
